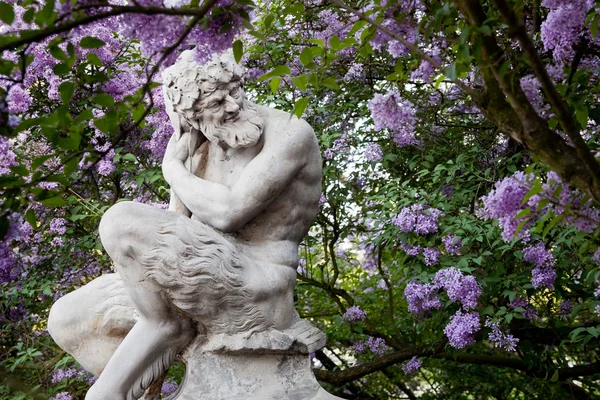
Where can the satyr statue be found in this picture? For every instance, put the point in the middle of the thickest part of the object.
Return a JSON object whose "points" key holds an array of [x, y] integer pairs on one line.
{"points": [[212, 279]]}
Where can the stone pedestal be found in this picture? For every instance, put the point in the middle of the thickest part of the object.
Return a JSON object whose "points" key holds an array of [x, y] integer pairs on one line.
{"points": [[271, 365], [239, 376]]}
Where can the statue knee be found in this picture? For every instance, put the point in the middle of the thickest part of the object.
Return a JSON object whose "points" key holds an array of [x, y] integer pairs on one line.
{"points": [[60, 322], [117, 227]]}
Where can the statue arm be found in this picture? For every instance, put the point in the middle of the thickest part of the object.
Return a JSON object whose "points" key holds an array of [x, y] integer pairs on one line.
{"points": [[228, 209]]}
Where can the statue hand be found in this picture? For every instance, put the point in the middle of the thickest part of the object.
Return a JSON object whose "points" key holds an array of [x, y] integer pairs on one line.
{"points": [[176, 154]]}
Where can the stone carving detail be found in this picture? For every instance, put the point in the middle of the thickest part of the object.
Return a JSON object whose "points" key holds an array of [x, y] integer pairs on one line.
{"points": [[211, 280]]}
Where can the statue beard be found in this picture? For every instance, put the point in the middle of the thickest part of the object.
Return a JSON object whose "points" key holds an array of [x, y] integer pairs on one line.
{"points": [[245, 131]]}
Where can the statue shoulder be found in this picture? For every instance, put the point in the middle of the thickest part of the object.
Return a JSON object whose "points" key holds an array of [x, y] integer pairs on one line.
{"points": [[285, 126]]}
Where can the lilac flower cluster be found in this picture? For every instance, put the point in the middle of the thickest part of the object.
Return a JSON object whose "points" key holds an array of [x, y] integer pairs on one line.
{"points": [[7, 156], [72, 373], [340, 145], [461, 329], [391, 112], [529, 312], [563, 27], [354, 314], [504, 203], [57, 226], [421, 297], [412, 365], [452, 244], [62, 396], [407, 28], [168, 387], [460, 288], [417, 219], [431, 255], [543, 275], [373, 152], [411, 249], [501, 339], [376, 345]]}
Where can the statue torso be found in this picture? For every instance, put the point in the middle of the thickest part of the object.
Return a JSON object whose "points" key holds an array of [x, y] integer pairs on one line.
{"points": [[274, 234]]}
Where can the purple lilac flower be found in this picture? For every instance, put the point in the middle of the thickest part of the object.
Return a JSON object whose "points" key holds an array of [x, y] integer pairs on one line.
{"points": [[566, 307], [61, 374], [62, 396], [417, 219], [596, 256], [391, 112], [447, 190], [19, 100], [501, 339], [543, 275], [354, 314], [529, 312], [57, 226], [168, 387], [322, 200], [431, 255], [421, 297], [7, 156], [538, 255], [461, 329], [412, 366], [410, 249], [373, 152], [504, 203], [452, 244], [340, 145], [376, 345], [459, 287], [562, 27], [598, 309]]}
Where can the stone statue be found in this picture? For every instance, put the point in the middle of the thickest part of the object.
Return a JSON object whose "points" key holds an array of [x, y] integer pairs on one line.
{"points": [[212, 279]]}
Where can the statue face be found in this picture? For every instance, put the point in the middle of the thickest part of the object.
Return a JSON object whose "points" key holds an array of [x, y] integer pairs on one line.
{"points": [[222, 106]]}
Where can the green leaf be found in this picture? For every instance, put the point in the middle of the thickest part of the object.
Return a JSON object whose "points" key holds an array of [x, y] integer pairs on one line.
{"points": [[277, 71], [554, 377], [104, 100], [58, 53], [330, 83], [93, 59], [275, 82], [71, 165], [582, 114], [358, 25], [7, 14], [66, 90], [70, 143], [55, 201], [238, 50], [90, 42], [300, 106], [306, 56], [300, 82], [129, 157], [61, 69]]}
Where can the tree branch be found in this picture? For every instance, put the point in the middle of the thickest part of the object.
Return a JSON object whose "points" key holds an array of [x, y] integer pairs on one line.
{"points": [[560, 107], [114, 11]]}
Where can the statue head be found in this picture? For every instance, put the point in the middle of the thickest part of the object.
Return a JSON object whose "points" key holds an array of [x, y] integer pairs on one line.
{"points": [[211, 99]]}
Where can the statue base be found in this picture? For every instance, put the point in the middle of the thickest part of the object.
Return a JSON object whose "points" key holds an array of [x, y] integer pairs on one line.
{"points": [[269, 365], [239, 376]]}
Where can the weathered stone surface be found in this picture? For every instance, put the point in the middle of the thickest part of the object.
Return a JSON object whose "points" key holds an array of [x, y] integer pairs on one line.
{"points": [[212, 279]]}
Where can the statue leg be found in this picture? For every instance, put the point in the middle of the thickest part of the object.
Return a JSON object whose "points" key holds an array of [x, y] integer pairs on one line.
{"points": [[128, 230], [92, 321]]}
